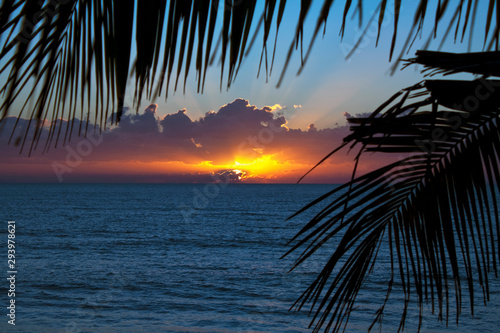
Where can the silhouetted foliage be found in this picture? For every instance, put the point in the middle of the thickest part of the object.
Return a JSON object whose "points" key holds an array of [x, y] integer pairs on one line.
{"points": [[435, 207], [69, 53]]}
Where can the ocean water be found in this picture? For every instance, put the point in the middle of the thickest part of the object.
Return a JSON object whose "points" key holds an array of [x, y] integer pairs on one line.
{"points": [[175, 258]]}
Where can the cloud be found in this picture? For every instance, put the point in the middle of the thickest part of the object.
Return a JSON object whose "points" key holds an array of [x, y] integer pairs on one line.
{"points": [[140, 123], [178, 125], [312, 128], [236, 133], [276, 107]]}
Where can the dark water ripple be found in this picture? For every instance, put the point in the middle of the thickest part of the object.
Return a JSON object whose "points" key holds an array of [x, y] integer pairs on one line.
{"points": [[121, 258]]}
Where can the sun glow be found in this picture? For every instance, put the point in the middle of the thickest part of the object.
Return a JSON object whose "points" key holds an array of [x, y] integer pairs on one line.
{"points": [[265, 167], [260, 165], [239, 173]]}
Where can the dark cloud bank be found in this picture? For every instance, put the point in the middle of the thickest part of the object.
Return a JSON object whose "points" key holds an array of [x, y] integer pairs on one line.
{"points": [[237, 130]]}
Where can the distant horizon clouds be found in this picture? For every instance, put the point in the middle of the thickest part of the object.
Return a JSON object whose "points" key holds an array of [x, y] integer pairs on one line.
{"points": [[239, 139]]}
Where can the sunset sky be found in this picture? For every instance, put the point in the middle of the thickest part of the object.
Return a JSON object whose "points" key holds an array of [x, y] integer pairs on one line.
{"points": [[254, 132]]}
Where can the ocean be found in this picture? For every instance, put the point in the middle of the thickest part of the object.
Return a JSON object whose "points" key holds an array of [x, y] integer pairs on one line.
{"points": [[175, 258]]}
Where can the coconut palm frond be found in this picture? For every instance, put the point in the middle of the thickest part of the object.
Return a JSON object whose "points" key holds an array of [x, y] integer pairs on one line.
{"points": [[73, 58], [435, 206], [445, 63]]}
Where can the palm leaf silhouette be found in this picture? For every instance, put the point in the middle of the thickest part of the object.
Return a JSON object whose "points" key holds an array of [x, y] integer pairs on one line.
{"points": [[73, 58], [435, 206]]}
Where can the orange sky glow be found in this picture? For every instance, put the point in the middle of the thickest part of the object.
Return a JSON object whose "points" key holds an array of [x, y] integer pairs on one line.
{"points": [[239, 143]]}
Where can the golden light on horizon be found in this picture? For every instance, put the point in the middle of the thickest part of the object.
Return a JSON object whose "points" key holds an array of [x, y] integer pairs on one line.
{"points": [[260, 165], [240, 173], [264, 167]]}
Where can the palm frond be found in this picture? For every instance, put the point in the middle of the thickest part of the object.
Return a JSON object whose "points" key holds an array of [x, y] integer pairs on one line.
{"points": [[446, 63], [435, 207], [73, 58]]}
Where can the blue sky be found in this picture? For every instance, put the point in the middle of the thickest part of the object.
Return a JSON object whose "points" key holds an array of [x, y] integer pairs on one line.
{"points": [[329, 85], [161, 141]]}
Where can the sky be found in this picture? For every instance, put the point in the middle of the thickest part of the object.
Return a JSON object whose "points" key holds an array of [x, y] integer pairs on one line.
{"points": [[254, 132]]}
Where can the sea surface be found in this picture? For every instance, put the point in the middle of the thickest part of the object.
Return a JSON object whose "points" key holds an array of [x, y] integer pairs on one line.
{"points": [[176, 258]]}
